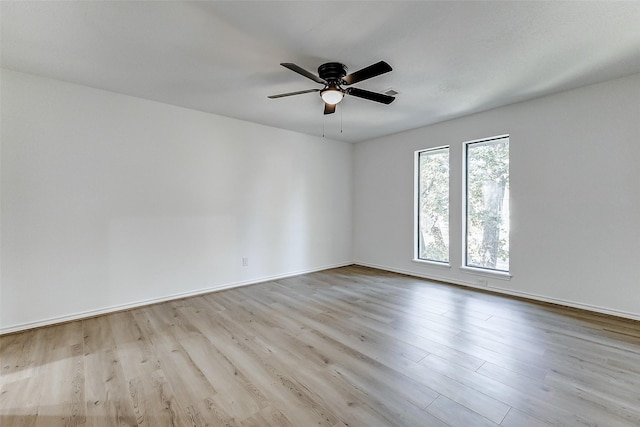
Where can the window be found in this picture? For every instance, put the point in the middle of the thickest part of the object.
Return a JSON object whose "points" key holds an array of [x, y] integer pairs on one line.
{"points": [[433, 205], [487, 203]]}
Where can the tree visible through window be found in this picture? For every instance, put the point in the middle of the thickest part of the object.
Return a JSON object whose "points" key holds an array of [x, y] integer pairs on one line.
{"points": [[487, 204], [433, 205]]}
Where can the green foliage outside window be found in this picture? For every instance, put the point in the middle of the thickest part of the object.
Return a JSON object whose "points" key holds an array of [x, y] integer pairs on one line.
{"points": [[487, 216], [433, 214]]}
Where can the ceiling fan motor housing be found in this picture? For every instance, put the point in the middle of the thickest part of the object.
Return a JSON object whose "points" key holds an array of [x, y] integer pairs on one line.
{"points": [[332, 72]]}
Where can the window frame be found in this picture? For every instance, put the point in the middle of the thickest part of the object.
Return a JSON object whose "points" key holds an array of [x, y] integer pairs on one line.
{"points": [[487, 271], [416, 198]]}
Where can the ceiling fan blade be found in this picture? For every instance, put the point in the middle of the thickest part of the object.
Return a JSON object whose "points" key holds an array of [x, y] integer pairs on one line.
{"points": [[329, 108], [367, 72], [303, 72], [371, 96], [300, 92]]}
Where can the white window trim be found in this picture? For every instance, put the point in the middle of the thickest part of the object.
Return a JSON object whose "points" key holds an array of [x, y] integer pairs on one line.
{"points": [[501, 274], [487, 272], [416, 208]]}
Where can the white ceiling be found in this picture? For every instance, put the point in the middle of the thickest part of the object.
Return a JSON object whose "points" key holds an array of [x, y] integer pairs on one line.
{"points": [[450, 58]]}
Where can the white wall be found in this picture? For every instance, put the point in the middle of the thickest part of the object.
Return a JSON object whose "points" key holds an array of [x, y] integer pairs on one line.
{"points": [[575, 196], [109, 201]]}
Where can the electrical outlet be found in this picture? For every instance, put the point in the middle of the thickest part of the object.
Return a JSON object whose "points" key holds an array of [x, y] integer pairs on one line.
{"points": [[482, 282], [245, 262]]}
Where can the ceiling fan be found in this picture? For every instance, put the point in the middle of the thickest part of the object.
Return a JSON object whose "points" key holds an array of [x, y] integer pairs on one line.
{"points": [[333, 75]]}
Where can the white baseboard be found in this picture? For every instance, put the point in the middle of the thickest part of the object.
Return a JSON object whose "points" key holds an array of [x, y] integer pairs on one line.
{"points": [[505, 291], [142, 303], [121, 307]]}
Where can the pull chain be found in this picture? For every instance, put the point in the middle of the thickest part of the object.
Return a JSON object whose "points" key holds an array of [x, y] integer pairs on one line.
{"points": [[324, 121]]}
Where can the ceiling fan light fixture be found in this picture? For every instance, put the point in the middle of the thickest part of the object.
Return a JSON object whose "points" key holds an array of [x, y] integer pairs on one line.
{"points": [[331, 95]]}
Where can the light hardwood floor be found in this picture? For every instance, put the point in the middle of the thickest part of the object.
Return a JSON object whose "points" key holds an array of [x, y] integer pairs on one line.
{"points": [[345, 347]]}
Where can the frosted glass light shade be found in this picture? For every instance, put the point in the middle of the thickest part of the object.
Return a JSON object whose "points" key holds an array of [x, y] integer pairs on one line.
{"points": [[331, 96]]}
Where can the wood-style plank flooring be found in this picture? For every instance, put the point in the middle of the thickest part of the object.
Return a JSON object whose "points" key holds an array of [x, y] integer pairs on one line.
{"points": [[346, 347]]}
